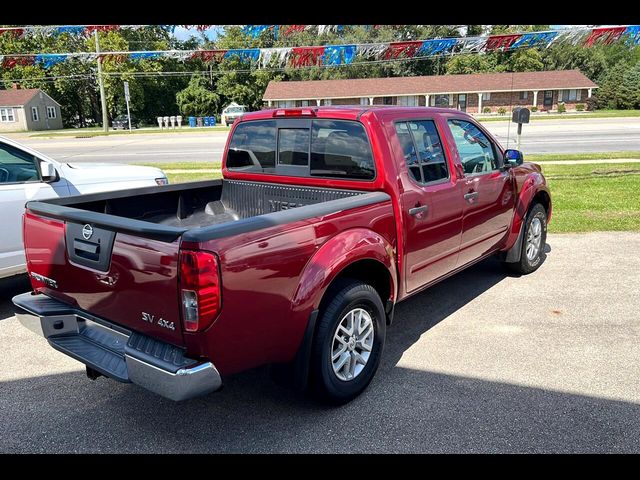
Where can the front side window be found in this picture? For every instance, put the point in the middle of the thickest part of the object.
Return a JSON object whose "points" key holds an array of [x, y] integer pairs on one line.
{"points": [[17, 166], [330, 148], [6, 115], [422, 150], [34, 114], [477, 153]]}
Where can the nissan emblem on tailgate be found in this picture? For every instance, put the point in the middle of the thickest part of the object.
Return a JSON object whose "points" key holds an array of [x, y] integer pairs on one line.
{"points": [[87, 231]]}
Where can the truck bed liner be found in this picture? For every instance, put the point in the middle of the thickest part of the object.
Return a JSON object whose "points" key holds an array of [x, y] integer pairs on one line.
{"points": [[210, 209]]}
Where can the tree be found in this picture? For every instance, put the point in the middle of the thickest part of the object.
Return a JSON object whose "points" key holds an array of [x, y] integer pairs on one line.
{"points": [[630, 88], [197, 99], [470, 64]]}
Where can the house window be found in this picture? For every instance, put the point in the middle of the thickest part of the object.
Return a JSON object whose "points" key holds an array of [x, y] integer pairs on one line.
{"points": [[409, 101], [285, 103], [569, 95], [443, 101], [35, 115], [327, 101], [387, 100], [364, 101], [486, 96], [524, 95], [6, 115], [51, 112]]}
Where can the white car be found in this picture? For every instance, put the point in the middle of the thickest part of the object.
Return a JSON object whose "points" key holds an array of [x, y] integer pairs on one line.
{"points": [[26, 174], [231, 113]]}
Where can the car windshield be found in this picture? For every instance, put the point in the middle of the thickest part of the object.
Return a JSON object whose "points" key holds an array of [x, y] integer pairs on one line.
{"points": [[235, 110]]}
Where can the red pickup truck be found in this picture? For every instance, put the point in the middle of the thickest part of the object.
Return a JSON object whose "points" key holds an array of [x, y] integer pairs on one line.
{"points": [[324, 220]]}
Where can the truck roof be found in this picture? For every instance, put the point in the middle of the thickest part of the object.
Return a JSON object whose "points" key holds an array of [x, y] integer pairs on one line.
{"points": [[347, 112]]}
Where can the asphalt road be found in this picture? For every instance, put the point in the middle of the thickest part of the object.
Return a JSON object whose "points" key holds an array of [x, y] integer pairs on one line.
{"points": [[482, 362], [543, 136]]}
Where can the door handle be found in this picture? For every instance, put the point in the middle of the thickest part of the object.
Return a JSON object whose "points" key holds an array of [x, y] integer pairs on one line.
{"points": [[471, 196], [419, 209]]}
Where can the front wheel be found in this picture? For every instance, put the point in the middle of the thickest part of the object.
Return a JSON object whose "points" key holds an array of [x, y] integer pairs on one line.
{"points": [[348, 342], [533, 242]]}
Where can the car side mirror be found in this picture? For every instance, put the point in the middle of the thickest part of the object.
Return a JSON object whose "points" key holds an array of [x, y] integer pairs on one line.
{"points": [[49, 172], [513, 158]]}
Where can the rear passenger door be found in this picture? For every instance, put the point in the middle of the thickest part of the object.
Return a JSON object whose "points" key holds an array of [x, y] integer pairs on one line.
{"points": [[488, 191], [430, 201]]}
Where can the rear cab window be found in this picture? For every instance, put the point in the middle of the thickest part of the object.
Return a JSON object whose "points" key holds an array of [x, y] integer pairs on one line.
{"points": [[321, 148]]}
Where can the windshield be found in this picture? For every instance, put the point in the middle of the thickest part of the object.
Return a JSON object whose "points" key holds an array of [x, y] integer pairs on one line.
{"points": [[235, 110]]}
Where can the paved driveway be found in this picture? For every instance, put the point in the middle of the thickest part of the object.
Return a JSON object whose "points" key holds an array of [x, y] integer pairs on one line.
{"points": [[482, 362]]}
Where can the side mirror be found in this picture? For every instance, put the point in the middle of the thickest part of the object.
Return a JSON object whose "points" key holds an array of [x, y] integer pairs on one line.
{"points": [[49, 173], [513, 158]]}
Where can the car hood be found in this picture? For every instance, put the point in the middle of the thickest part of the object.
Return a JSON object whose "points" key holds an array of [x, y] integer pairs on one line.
{"points": [[82, 173]]}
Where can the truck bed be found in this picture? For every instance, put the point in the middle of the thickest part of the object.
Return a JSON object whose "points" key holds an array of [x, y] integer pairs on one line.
{"points": [[218, 207]]}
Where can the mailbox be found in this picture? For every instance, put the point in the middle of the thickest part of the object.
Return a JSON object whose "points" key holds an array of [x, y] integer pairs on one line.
{"points": [[521, 115]]}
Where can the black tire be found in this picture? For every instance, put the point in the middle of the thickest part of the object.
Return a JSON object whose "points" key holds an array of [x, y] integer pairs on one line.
{"points": [[345, 296], [526, 265]]}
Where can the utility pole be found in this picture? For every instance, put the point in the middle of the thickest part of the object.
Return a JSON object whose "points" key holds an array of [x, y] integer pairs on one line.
{"points": [[103, 99]]}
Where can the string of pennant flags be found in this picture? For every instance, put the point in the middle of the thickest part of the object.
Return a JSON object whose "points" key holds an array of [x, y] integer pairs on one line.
{"points": [[334, 55]]}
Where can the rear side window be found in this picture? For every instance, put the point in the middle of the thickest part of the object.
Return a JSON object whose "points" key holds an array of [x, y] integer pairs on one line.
{"points": [[253, 147], [422, 150], [329, 148]]}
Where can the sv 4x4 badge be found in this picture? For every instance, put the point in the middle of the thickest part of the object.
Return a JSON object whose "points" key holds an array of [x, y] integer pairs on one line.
{"points": [[147, 317]]}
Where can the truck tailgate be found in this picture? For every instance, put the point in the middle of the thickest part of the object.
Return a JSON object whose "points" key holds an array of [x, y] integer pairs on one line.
{"points": [[106, 273]]}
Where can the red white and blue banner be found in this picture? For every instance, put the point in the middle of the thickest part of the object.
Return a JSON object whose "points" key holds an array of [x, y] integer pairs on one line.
{"points": [[334, 55]]}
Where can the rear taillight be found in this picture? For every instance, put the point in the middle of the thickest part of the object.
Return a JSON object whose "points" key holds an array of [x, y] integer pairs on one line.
{"points": [[294, 112], [200, 292]]}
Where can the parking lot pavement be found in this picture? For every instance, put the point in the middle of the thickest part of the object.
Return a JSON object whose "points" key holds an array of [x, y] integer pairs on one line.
{"points": [[482, 362]]}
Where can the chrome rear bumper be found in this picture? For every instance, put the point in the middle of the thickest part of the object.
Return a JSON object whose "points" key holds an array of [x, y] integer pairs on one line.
{"points": [[116, 352]]}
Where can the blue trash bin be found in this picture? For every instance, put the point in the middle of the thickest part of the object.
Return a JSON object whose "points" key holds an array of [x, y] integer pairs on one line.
{"points": [[206, 121], [212, 121], [192, 122]]}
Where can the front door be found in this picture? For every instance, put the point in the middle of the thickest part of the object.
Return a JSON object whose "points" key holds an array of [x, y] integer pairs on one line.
{"points": [[20, 181], [488, 192], [462, 102], [430, 201], [548, 99]]}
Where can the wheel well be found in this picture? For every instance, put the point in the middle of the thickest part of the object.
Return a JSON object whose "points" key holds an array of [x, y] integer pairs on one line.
{"points": [[367, 271], [543, 199]]}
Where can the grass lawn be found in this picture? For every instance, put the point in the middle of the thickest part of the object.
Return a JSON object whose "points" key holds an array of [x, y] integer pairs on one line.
{"points": [[597, 197], [543, 157], [589, 198], [557, 116]]}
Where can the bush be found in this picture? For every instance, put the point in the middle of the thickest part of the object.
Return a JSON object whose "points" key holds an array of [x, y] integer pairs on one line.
{"points": [[580, 107], [562, 108], [592, 103], [534, 109], [486, 110], [502, 111]]}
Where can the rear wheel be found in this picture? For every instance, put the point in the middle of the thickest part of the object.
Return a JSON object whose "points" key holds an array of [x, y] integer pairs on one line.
{"points": [[533, 242], [348, 343]]}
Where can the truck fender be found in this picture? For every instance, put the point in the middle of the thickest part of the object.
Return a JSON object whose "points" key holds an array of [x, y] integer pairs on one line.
{"points": [[326, 264], [532, 185]]}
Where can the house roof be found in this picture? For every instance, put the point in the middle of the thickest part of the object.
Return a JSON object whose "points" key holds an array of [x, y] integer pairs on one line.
{"points": [[392, 86], [18, 97]]}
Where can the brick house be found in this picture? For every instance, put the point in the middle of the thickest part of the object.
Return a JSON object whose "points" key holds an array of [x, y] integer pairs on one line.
{"points": [[472, 93], [28, 109]]}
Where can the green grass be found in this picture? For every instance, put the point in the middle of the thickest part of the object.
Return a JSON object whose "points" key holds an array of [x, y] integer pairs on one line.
{"points": [[98, 132], [556, 116], [542, 157], [586, 198], [599, 197]]}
